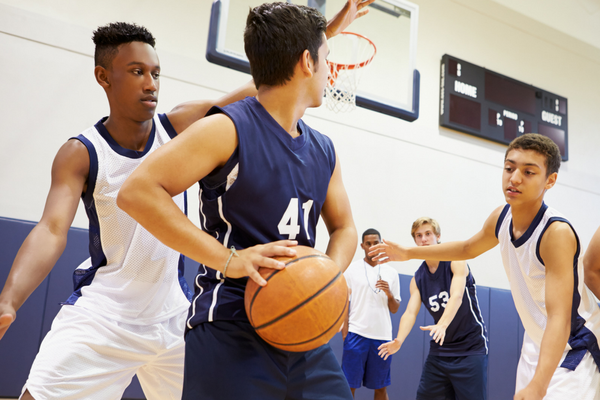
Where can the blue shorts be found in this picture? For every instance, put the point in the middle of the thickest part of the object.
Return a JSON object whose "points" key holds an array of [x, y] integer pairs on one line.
{"points": [[450, 378], [228, 360], [362, 365]]}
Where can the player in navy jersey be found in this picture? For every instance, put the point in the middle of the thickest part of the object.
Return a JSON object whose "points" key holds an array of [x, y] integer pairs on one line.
{"points": [[127, 314], [456, 366], [265, 178], [541, 255], [591, 263]]}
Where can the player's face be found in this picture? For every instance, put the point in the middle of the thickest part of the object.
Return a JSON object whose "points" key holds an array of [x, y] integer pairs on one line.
{"points": [[321, 74], [425, 236], [368, 241], [524, 178], [134, 81]]}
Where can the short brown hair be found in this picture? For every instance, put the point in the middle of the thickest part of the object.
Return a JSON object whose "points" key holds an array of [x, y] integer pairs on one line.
{"points": [[540, 144], [426, 220]]}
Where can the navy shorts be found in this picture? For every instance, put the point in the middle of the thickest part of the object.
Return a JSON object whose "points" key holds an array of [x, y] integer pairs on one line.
{"points": [[362, 365], [228, 360], [450, 378]]}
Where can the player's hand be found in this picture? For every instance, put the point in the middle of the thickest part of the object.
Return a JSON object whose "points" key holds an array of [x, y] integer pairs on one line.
{"points": [[352, 10], [255, 257], [387, 251], [389, 348], [383, 285], [530, 392], [438, 332], [7, 317]]}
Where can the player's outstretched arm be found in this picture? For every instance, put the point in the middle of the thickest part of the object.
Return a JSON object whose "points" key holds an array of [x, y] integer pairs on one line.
{"points": [[47, 240], [337, 215], [185, 114], [406, 322], [460, 271], [557, 250], [352, 10], [591, 264], [481, 242], [147, 196]]}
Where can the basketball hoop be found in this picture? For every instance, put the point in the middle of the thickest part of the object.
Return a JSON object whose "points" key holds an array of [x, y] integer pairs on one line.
{"points": [[349, 53]]}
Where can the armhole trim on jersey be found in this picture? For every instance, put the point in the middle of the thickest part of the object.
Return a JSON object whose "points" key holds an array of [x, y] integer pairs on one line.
{"points": [[166, 123], [550, 221], [93, 172], [501, 219]]}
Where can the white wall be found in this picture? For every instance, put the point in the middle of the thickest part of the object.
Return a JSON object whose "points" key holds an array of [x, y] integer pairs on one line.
{"points": [[394, 171]]}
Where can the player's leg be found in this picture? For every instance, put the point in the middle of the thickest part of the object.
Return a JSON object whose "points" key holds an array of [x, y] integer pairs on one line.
{"points": [[354, 358], [316, 374], [435, 384], [162, 377], [228, 360], [377, 370], [468, 376], [83, 356]]}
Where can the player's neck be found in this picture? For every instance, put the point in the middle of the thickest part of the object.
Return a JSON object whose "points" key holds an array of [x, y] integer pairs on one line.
{"points": [[370, 262], [432, 265], [284, 104], [523, 215], [127, 133]]}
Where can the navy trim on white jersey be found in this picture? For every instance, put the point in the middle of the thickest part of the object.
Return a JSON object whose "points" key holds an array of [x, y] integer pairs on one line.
{"points": [[525, 237], [164, 120], [501, 218], [120, 150]]}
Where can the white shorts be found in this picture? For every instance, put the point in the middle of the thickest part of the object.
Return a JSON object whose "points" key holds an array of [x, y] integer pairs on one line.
{"points": [[581, 384], [86, 356]]}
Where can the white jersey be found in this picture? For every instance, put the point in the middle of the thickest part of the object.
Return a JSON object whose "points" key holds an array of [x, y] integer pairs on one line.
{"points": [[527, 276], [369, 312], [131, 276]]}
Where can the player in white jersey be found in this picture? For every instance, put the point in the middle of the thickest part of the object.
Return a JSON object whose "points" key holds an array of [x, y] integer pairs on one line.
{"points": [[540, 252], [127, 313]]}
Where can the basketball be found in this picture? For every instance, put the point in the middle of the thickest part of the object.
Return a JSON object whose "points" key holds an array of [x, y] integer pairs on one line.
{"points": [[302, 306]]}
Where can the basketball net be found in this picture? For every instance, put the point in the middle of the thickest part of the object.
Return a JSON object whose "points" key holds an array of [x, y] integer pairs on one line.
{"points": [[349, 54]]}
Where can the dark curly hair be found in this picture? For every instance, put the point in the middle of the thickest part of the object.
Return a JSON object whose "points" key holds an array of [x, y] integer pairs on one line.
{"points": [[540, 144], [275, 37], [109, 37]]}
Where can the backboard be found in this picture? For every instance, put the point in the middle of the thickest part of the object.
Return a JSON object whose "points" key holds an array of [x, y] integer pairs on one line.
{"points": [[390, 85]]}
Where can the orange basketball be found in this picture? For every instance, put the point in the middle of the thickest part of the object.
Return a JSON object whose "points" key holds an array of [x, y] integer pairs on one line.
{"points": [[303, 305]]}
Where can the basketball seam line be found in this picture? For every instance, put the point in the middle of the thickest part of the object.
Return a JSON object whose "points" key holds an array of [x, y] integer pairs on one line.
{"points": [[316, 337], [301, 304]]}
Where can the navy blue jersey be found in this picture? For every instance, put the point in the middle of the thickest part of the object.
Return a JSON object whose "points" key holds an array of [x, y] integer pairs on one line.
{"points": [[272, 188], [466, 334]]}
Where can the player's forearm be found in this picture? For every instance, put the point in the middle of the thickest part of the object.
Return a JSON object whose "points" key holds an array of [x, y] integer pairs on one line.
{"points": [[552, 347], [151, 206], [450, 311], [34, 261], [342, 244], [449, 251], [393, 304], [592, 280], [406, 324]]}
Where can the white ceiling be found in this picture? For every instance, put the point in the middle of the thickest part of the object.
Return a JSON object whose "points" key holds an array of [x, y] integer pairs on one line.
{"points": [[577, 18]]}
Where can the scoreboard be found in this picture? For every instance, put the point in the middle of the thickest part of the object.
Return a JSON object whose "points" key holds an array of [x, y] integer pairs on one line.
{"points": [[492, 106]]}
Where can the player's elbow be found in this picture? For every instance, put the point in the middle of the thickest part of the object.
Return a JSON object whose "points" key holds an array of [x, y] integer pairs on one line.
{"points": [[126, 199]]}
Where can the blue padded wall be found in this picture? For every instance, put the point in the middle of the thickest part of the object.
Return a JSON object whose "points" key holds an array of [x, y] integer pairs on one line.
{"points": [[22, 340]]}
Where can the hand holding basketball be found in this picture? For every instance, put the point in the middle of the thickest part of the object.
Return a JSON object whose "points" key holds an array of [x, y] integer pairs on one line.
{"points": [[352, 10], [388, 251], [389, 348], [251, 259]]}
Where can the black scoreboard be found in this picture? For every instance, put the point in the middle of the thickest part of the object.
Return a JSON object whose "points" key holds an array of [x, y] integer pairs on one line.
{"points": [[486, 104]]}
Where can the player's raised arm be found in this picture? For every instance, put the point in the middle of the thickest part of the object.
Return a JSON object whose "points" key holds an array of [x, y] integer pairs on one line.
{"points": [[591, 264], [481, 242], [146, 196], [46, 242], [352, 10], [460, 271], [185, 114], [557, 250], [406, 322], [337, 215]]}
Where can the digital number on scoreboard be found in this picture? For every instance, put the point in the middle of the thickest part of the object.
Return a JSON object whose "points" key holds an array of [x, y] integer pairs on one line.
{"points": [[492, 106]]}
